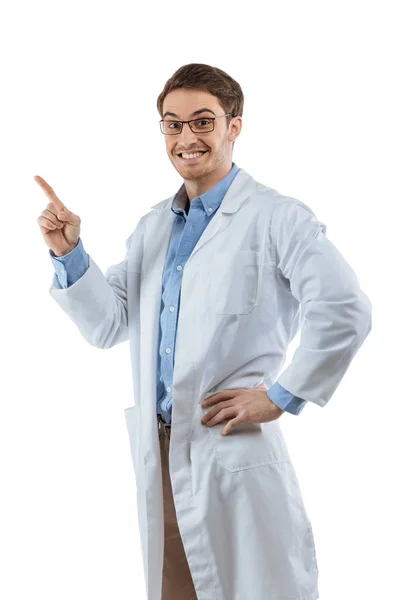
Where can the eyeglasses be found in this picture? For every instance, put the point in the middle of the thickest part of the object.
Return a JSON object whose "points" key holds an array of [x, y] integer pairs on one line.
{"points": [[202, 125]]}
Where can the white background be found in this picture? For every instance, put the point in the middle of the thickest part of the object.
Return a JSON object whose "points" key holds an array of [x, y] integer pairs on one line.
{"points": [[79, 85]]}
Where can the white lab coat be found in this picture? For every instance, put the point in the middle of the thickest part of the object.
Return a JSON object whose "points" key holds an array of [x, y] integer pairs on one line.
{"points": [[262, 268]]}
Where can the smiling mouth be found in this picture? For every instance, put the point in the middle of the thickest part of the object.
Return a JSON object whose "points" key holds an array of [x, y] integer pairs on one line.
{"points": [[192, 155]]}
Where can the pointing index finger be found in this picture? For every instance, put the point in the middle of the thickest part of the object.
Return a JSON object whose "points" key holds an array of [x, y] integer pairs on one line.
{"points": [[50, 193]]}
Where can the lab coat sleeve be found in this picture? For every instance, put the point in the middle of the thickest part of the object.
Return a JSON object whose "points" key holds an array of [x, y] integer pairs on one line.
{"points": [[97, 302], [336, 311]]}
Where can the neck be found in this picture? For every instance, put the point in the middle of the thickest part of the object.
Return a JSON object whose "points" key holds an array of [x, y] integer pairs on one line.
{"points": [[197, 187]]}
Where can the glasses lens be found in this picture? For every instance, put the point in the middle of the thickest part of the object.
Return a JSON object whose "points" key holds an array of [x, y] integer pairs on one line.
{"points": [[171, 127], [197, 126], [202, 125]]}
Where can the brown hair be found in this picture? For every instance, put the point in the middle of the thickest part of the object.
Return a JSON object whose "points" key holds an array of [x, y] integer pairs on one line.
{"points": [[210, 79]]}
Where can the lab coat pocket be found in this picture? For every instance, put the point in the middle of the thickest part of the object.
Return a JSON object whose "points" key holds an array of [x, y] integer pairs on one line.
{"points": [[233, 282], [131, 419], [248, 445]]}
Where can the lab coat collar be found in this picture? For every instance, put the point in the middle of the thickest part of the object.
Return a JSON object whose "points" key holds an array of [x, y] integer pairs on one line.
{"points": [[211, 199], [240, 189]]}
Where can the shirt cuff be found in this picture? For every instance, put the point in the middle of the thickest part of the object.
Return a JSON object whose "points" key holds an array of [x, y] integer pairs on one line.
{"points": [[70, 267], [285, 399]]}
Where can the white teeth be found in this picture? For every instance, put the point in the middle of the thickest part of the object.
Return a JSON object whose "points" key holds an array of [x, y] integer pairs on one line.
{"points": [[185, 155]]}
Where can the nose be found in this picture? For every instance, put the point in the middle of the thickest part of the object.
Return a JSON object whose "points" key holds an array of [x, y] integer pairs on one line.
{"points": [[187, 135]]}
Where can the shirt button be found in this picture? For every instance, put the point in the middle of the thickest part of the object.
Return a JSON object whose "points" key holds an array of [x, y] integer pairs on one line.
{"points": [[179, 268], [172, 308], [210, 210], [168, 350], [168, 389]]}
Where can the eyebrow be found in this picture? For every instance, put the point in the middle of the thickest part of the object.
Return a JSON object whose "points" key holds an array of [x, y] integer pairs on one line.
{"points": [[196, 112]]}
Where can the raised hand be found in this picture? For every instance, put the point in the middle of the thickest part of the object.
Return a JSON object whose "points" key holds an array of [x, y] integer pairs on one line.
{"points": [[59, 226]]}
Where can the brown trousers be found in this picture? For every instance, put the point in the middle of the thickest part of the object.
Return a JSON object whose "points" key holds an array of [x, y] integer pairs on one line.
{"points": [[177, 583]]}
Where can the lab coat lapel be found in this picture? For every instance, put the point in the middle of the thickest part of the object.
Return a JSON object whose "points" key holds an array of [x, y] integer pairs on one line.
{"points": [[240, 189]]}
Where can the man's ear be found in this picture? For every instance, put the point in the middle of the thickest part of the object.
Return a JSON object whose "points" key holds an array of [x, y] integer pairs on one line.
{"points": [[236, 127]]}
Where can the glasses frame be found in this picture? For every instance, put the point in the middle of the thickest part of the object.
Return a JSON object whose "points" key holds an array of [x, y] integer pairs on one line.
{"points": [[190, 122]]}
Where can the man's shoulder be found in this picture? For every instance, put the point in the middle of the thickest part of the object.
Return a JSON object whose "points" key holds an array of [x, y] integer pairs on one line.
{"points": [[159, 205], [154, 210], [276, 201], [141, 224], [268, 199]]}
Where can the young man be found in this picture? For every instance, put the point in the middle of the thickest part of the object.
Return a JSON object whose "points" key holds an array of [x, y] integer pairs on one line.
{"points": [[215, 284]]}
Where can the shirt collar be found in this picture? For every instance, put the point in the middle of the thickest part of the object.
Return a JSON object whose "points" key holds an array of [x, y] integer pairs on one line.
{"points": [[211, 199]]}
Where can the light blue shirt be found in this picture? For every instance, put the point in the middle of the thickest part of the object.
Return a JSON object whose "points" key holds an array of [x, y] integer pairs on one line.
{"points": [[186, 231]]}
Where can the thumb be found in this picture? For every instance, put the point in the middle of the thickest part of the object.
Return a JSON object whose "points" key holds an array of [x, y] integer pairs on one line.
{"points": [[230, 425], [70, 217]]}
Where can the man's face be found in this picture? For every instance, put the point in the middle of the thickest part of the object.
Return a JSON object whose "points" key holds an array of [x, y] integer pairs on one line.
{"points": [[184, 104]]}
